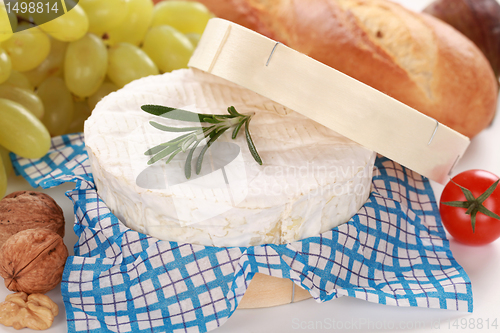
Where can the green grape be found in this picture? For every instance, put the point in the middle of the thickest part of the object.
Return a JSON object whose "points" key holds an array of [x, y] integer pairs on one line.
{"points": [[22, 133], [5, 66], [4, 155], [58, 104], [51, 66], [80, 114], [68, 27], [3, 179], [168, 48], [104, 15], [85, 65], [105, 89], [194, 38], [185, 16], [26, 98], [135, 25], [18, 79], [27, 49], [127, 62], [5, 24]]}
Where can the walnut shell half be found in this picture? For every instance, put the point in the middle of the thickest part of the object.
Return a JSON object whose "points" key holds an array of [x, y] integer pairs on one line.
{"points": [[33, 261], [23, 210]]}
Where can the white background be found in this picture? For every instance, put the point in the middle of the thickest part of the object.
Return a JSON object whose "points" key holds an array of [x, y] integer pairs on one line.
{"points": [[482, 264]]}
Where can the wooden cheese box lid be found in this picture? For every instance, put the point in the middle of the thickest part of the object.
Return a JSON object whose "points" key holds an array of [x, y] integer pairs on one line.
{"points": [[333, 99]]}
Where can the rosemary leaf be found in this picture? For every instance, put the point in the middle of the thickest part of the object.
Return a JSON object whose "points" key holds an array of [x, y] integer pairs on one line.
{"points": [[237, 129], [185, 144], [187, 166], [156, 110], [173, 113], [177, 151], [161, 146], [155, 149], [223, 117], [191, 140], [164, 153], [232, 111], [178, 139], [165, 145], [199, 161], [211, 120], [221, 128], [251, 146], [208, 130], [173, 129]]}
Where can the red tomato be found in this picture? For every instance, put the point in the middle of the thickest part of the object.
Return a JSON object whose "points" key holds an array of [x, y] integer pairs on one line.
{"points": [[457, 222]]}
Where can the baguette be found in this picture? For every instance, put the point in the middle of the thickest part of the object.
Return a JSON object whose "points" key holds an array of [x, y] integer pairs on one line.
{"points": [[413, 57]]}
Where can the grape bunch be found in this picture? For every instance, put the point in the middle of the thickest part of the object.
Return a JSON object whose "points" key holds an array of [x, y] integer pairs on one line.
{"points": [[53, 74]]}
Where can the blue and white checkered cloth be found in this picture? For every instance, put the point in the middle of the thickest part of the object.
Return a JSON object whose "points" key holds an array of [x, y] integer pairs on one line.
{"points": [[394, 252]]}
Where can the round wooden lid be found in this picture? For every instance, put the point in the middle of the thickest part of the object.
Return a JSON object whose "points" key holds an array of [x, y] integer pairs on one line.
{"points": [[333, 99]]}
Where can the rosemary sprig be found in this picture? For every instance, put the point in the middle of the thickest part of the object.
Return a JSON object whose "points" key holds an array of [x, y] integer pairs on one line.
{"points": [[217, 125]]}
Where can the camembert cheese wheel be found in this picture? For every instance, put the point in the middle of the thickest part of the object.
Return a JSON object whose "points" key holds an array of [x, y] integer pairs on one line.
{"points": [[311, 179]]}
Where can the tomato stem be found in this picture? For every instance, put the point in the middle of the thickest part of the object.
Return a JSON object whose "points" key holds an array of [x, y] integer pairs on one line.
{"points": [[474, 205]]}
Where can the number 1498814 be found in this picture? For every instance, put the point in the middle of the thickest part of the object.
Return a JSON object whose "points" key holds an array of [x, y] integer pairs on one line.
{"points": [[474, 323], [32, 7]]}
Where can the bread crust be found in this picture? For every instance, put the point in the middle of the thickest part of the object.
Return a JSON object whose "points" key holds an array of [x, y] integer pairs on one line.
{"points": [[413, 57]]}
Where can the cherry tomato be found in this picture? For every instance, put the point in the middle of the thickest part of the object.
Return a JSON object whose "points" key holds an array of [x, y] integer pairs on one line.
{"points": [[455, 219]]}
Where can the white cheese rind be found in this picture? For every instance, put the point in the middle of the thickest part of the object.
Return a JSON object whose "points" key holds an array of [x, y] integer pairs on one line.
{"points": [[312, 179]]}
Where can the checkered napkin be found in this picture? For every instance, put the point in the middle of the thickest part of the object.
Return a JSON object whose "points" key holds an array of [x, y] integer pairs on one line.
{"points": [[394, 251]]}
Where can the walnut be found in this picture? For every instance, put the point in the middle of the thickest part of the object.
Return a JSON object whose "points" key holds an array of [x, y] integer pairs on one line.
{"points": [[35, 311], [33, 261], [29, 210]]}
